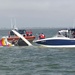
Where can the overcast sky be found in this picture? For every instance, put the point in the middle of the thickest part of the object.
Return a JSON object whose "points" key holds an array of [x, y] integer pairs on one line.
{"points": [[37, 13]]}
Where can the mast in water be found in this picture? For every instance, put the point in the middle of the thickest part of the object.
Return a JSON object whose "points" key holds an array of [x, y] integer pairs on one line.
{"points": [[13, 26]]}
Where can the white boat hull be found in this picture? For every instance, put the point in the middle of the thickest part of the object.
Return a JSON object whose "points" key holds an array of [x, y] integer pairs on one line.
{"points": [[48, 46]]}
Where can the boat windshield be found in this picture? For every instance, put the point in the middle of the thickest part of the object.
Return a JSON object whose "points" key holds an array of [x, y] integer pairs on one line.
{"points": [[11, 33], [67, 33], [22, 31], [63, 33]]}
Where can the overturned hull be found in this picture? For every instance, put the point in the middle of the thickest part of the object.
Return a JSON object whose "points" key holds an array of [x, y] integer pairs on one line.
{"points": [[22, 43]]}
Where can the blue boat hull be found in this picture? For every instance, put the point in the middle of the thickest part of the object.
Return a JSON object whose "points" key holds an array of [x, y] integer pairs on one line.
{"points": [[56, 42]]}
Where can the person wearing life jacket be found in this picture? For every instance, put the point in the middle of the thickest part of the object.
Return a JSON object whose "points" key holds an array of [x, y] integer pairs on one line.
{"points": [[27, 33], [30, 33], [41, 36], [9, 33]]}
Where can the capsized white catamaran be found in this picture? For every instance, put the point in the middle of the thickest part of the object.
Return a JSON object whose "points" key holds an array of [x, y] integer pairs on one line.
{"points": [[63, 39], [4, 42], [22, 37]]}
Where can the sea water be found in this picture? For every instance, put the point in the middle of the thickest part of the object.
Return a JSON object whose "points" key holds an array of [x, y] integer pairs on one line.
{"points": [[36, 60]]}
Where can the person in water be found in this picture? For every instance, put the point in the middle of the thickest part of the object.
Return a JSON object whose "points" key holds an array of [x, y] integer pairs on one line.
{"points": [[41, 36], [13, 41]]}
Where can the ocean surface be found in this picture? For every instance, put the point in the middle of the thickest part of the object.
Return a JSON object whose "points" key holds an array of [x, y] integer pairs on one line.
{"points": [[36, 60]]}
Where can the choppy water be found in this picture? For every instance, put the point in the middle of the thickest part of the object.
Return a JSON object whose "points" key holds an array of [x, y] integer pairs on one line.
{"points": [[37, 60]]}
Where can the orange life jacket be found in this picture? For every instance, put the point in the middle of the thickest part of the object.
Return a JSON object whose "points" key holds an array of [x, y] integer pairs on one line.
{"points": [[41, 36]]}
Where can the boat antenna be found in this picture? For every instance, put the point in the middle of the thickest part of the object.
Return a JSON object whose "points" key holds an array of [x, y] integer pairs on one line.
{"points": [[15, 24], [73, 23], [11, 24]]}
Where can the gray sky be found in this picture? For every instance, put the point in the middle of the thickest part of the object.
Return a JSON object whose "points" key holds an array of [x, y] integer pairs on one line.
{"points": [[37, 13]]}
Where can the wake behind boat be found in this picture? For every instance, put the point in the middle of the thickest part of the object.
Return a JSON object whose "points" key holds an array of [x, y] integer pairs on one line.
{"points": [[64, 38]]}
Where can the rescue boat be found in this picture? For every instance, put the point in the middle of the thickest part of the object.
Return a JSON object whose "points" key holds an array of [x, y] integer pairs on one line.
{"points": [[12, 38]]}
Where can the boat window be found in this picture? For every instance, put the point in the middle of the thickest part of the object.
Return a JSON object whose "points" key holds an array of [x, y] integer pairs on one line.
{"points": [[11, 33], [63, 33], [22, 31]]}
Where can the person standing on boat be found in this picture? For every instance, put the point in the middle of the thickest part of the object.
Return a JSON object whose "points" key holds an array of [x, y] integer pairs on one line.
{"points": [[9, 33], [73, 34], [27, 33], [30, 33]]}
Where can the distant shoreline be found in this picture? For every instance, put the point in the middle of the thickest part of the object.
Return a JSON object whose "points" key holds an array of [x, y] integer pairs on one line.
{"points": [[37, 28]]}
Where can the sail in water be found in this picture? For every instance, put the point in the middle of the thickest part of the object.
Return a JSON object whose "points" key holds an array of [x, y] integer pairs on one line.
{"points": [[4, 42]]}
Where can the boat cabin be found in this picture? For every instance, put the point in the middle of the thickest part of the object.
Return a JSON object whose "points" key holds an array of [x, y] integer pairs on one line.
{"points": [[22, 32], [67, 33], [72, 32], [19, 31]]}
